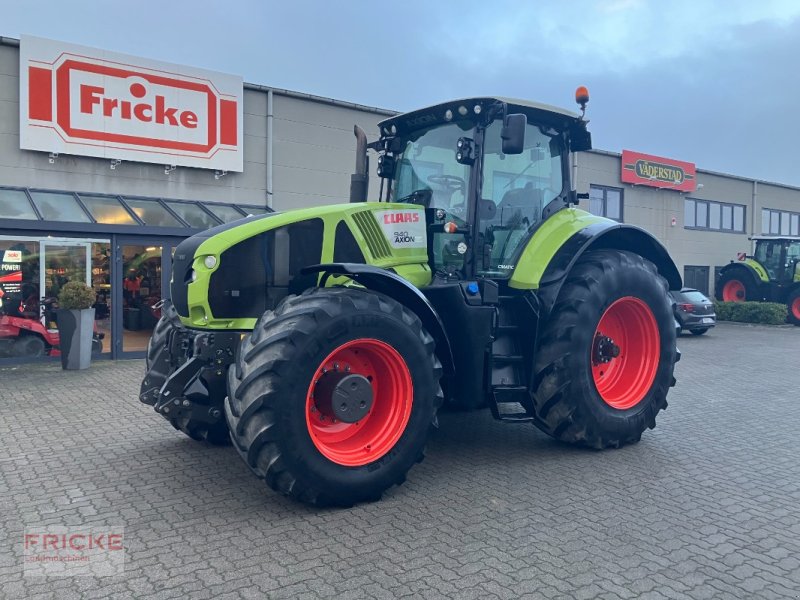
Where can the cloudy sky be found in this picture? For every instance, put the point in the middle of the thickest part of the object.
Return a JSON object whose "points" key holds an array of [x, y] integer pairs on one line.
{"points": [[716, 82]]}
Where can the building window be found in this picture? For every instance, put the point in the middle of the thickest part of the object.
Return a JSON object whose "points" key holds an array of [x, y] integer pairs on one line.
{"points": [[779, 222], [713, 216], [605, 202]]}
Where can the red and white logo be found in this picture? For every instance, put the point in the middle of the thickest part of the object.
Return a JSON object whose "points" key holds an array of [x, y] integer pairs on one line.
{"points": [[58, 550], [77, 100], [741, 255], [390, 218], [403, 228], [12, 256]]}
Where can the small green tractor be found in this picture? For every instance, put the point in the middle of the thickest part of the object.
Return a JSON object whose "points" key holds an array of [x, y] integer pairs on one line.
{"points": [[771, 274], [324, 341]]}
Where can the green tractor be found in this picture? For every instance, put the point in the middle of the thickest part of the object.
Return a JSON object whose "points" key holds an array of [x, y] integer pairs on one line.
{"points": [[771, 274], [323, 341]]}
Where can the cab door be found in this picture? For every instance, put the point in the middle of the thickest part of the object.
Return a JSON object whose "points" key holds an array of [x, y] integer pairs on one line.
{"points": [[786, 271]]}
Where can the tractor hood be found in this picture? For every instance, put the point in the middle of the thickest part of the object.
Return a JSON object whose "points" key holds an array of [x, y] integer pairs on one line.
{"points": [[228, 276]]}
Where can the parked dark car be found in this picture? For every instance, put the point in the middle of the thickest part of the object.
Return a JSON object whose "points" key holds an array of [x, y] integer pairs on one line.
{"points": [[693, 311]]}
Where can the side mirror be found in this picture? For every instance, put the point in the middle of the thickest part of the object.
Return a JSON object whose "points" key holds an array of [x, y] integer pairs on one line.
{"points": [[513, 133]]}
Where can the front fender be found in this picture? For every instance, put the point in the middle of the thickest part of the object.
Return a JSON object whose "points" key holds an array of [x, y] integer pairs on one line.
{"points": [[394, 286]]}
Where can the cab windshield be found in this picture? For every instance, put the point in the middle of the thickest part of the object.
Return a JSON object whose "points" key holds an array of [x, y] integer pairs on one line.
{"points": [[427, 171], [514, 192]]}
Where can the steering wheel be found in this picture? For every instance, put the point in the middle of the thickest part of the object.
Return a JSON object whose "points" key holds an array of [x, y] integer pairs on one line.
{"points": [[450, 183], [420, 197]]}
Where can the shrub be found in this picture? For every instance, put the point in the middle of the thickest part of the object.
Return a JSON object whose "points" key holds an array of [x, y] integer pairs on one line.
{"points": [[766, 313], [76, 295]]}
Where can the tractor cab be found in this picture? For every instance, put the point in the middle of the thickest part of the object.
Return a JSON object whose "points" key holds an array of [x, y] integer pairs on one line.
{"points": [[780, 257], [488, 171]]}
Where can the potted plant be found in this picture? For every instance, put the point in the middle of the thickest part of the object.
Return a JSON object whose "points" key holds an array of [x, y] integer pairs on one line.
{"points": [[75, 324]]}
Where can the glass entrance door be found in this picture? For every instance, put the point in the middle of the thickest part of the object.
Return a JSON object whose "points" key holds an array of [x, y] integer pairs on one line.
{"points": [[141, 280], [142, 288]]}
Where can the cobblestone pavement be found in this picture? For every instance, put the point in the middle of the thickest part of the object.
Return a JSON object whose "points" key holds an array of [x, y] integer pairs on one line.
{"points": [[706, 506]]}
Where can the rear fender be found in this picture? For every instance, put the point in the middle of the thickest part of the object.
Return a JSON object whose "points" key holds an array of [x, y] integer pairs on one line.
{"points": [[602, 236], [748, 268], [394, 286]]}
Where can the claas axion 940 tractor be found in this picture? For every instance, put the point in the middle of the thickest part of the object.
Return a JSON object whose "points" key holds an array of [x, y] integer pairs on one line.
{"points": [[323, 341], [771, 274]]}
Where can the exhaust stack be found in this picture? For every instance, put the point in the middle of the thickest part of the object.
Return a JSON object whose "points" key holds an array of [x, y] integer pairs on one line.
{"points": [[359, 181]]}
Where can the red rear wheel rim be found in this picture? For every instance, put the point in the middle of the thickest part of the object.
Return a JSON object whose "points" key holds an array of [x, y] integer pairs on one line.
{"points": [[796, 308], [625, 353], [360, 443], [733, 291]]}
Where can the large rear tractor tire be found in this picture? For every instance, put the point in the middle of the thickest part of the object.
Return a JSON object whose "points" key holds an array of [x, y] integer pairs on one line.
{"points": [[213, 433], [736, 285], [607, 353], [332, 396], [793, 304]]}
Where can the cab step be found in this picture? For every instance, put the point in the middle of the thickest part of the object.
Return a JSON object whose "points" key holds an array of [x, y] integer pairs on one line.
{"points": [[506, 403], [507, 359]]}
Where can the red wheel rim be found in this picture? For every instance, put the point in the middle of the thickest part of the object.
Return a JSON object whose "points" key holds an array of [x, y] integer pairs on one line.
{"points": [[733, 291], [796, 308], [365, 441], [625, 353]]}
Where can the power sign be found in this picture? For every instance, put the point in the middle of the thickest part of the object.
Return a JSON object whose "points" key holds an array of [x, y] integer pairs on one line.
{"points": [[77, 100]]}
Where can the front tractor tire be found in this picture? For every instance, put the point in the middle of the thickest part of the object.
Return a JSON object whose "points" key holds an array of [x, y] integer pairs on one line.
{"points": [[159, 366], [607, 353], [332, 396]]}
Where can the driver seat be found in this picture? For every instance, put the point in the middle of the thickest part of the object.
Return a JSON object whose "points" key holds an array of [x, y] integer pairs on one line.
{"points": [[520, 208]]}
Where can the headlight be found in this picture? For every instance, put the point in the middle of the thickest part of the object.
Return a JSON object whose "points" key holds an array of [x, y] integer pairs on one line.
{"points": [[193, 275], [210, 262]]}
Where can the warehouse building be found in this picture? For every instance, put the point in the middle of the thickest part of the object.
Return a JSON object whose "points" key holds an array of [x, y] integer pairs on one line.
{"points": [[703, 227], [108, 204]]}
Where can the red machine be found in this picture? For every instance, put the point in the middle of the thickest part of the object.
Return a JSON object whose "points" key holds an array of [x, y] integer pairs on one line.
{"points": [[23, 334]]}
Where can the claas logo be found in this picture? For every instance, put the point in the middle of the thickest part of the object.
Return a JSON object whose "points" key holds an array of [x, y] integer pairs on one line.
{"points": [[408, 217]]}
